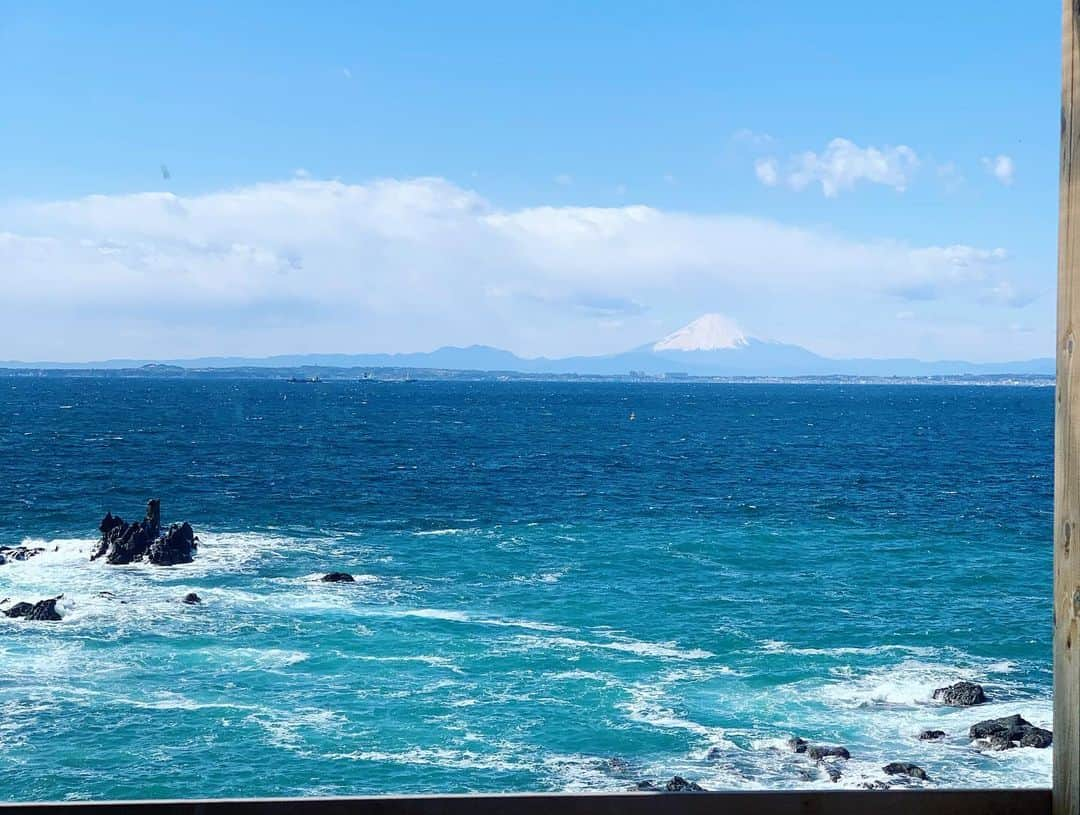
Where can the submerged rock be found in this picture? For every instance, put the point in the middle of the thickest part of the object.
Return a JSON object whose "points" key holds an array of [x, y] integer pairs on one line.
{"points": [[646, 786], [680, 784], [820, 751], [1009, 729], [17, 553], [192, 599], [905, 768], [932, 735], [338, 577], [831, 769], [962, 694], [122, 543], [616, 765], [797, 745]]}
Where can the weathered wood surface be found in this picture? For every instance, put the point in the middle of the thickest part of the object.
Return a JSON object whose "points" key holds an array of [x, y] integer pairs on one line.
{"points": [[1067, 438], [817, 802]]}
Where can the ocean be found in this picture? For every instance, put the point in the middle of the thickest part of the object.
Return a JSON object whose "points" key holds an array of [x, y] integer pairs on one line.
{"points": [[559, 586]]}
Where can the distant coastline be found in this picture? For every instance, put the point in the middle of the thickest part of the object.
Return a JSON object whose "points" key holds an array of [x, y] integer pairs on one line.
{"points": [[315, 375], [711, 347]]}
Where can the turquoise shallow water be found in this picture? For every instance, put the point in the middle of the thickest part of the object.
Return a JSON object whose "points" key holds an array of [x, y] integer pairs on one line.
{"points": [[543, 585]]}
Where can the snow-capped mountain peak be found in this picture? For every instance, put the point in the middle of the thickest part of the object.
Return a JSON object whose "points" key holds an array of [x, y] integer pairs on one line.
{"points": [[710, 332]]}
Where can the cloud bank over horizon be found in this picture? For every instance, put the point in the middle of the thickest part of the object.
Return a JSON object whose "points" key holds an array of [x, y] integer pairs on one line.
{"points": [[306, 265]]}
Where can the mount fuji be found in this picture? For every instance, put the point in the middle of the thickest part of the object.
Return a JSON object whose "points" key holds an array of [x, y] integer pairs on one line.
{"points": [[711, 345]]}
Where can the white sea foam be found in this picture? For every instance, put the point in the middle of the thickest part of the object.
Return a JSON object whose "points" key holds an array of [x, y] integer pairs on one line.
{"points": [[663, 650]]}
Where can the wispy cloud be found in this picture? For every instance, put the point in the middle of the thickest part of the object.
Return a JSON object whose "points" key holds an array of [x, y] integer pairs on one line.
{"points": [[841, 166], [752, 138], [1000, 167], [767, 171]]}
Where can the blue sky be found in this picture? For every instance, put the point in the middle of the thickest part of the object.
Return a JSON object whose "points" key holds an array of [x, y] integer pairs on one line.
{"points": [[550, 178]]}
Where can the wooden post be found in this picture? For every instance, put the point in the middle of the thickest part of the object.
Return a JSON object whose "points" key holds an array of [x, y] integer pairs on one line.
{"points": [[1066, 795]]}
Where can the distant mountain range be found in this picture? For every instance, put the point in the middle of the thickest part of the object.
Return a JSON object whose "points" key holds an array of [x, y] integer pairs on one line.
{"points": [[711, 345]]}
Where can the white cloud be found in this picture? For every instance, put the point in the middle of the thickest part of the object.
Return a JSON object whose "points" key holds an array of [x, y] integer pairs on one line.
{"points": [[311, 265], [841, 166], [1000, 167], [768, 171]]}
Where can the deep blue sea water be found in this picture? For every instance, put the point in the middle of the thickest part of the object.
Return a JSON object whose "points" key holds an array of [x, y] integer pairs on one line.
{"points": [[544, 584]]}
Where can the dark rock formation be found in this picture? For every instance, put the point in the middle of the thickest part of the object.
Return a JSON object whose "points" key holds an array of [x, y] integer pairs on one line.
{"points": [[797, 745], [1014, 726], [1000, 741], [831, 770], [175, 546], [875, 785], [646, 786], [16, 553], [1037, 737], [680, 784], [905, 768], [41, 610], [962, 694], [820, 751], [192, 599], [338, 577], [932, 735], [1009, 729], [714, 754], [123, 543], [616, 765], [44, 610], [19, 610]]}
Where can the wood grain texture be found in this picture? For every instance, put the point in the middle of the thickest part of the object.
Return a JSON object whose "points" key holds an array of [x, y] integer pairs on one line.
{"points": [[817, 802], [1066, 793]]}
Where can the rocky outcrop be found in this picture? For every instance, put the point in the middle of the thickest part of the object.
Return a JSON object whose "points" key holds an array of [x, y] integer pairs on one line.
{"points": [[816, 751], [676, 784], [122, 543], [962, 694], [819, 751], [338, 577], [44, 610], [905, 768], [18, 610], [680, 784], [10, 554], [175, 546], [932, 735], [1001, 733], [1037, 737], [192, 599]]}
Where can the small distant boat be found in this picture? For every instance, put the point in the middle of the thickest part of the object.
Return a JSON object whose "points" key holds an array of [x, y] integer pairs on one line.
{"points": [[305, 380], [632, 415]]}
